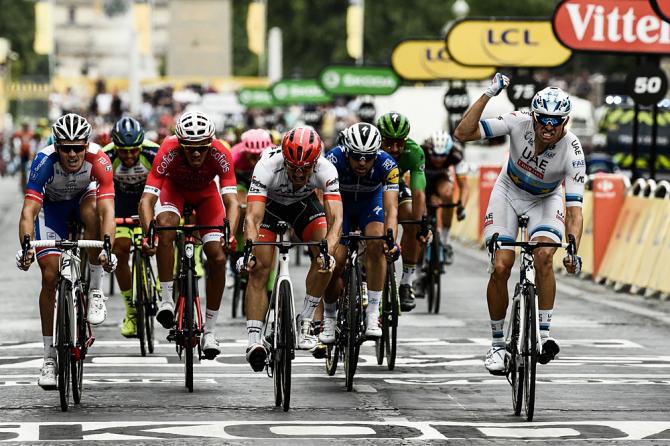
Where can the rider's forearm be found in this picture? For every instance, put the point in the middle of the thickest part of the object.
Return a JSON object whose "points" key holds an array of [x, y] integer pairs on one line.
{"points": [[253, 220], [390, 202], [27, 221], [463, 190], [146, 209], [232, 211], [108, 224], [574, 223], [418, 204], [468, 128], [334, 216]]}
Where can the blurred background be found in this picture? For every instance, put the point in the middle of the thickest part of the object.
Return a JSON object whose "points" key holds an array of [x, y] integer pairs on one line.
{"points": [[155, 59]]}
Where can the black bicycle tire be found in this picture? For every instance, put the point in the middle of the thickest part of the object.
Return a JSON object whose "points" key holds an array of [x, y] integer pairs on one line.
{"points": [[392, 346], [150, 303], [77, 365], [379, 342], [236, 296], [352, 328], [531, 354], [138, 301], [288, 341], [85, 272], [516, 368], [332, 358], [187, 329], [437, 275], [276, 352], [63, 347]]}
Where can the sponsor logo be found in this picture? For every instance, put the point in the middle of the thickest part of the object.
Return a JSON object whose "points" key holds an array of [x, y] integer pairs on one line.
{"points": [[388, 164], [611, 25], [165, 162], [577, 147], [578, 178], [220, 158], [560, 216], [529, 136], [488, 219], [578, 163], [605, 186], [332, 182], [332, 158], [533, 164], [257, 184], [549, 154], [377, 210]]}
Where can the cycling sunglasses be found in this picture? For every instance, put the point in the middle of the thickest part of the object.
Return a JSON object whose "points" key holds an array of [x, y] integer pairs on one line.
{"points": [[390, 142], [67, 148], [295, 169], [196, 147], [361, 156], [130, 149], [554, 121]]}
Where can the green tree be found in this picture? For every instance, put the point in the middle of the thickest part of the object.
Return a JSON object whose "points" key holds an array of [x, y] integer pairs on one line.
{"points": [[17, 24]]}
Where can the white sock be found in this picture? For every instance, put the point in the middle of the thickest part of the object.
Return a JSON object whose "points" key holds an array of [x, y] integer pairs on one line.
{"points": [[254, 329], [96, 276], [445, 236], [330, 310], [309, 307], [408, 271], [49, 349], [545, 322], [497, 334], [166, 290], [210, 320], [374, 297]]}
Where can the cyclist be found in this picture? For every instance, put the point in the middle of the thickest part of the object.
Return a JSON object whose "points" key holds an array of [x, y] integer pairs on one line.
{"points": [[245, 156], [443, 159], [369, 188], [24, 142], [283, 189], [394, 129], [66, 179], [182, 173], [131, 155], [542, 155]]}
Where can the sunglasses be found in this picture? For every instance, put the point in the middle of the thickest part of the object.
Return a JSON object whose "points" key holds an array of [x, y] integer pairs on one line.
{"points": [[130, 149], [295, 169], [554, 121], [388, 142], [67, 148], [361, 156], [196, 147]]}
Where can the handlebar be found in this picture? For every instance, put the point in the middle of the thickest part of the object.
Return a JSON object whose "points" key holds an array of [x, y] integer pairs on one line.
{"points": [[106, 244], [283, 245], [388, 238], [188, 229], [493, 245], [424, 226]]}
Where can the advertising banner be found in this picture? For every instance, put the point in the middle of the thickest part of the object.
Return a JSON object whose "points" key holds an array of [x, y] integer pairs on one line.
{"points": [[359, 80], [428, 60], [623, 26], [505, 43], [299, 91]]}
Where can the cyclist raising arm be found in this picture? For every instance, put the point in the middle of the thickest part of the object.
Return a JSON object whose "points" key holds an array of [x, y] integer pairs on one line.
{"points": [[61, 188], [283, 189], [182, 173], [542, 155]]}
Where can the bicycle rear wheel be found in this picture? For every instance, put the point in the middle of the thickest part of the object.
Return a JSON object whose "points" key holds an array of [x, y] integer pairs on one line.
{"points": [[515, 366], [64, 344], [351, 348], [138, 301], [189, 334], [380, 342], [391, 342], [237, 288], [332, 357], [77, 363], [287, 340], [531, 353], [150, 303]]}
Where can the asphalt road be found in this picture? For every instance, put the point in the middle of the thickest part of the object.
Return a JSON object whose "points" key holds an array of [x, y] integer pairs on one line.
{"points": [[610, 382]]}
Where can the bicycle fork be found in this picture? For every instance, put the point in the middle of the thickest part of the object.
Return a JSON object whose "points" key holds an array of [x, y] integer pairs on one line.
{"points": [[528, 279]]}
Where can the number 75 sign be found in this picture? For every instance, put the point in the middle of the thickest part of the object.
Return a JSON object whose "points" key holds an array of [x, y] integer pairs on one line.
{"points": [[646, 84]]}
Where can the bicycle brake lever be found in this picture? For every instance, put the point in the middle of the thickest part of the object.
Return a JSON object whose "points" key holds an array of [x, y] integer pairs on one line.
{"points": [[26, 244], [390, 241], [107, 246]]}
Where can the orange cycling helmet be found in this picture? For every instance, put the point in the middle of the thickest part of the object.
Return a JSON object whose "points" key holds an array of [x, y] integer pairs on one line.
{"points": [[301, 146]]}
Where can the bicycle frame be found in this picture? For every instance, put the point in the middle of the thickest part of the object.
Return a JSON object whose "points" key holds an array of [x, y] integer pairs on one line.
{"points": [[283, 262]]}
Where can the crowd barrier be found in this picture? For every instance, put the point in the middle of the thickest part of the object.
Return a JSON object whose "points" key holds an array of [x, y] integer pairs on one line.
{"points": [[626, 237]]}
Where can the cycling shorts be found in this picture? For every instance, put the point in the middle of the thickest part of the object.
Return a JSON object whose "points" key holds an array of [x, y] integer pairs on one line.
{"points": [[357, 214], [53, 221], [405, 193], [546, 215], [304, 216], [206, 202]]}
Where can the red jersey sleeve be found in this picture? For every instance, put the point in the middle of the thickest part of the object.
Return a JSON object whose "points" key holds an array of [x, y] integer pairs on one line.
{"points": [[226, 172], [101, 172], [166, 155]]}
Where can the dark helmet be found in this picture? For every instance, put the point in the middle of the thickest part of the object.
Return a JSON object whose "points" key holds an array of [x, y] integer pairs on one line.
{"points": [[127, 132]]}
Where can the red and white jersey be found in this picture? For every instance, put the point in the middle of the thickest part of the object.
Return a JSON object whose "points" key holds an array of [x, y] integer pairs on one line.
{"points": [[171, 164], [49, 179], [271, 181]]}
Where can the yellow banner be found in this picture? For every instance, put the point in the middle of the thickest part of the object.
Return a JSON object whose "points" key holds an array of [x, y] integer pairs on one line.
{"points": [[256, 27], [44, 36], [355, 31], [142, 23], [506, 43], [427, 60]]}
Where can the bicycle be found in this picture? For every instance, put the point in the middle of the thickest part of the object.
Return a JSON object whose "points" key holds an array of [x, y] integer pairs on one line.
{"points": [[145, 289], [188, 327], [433, 268], [239, 288], [522, 336], [281, 339], [350, 328], [72, 333]]}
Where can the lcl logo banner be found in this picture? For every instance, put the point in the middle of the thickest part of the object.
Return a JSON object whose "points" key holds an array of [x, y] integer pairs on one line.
{"points": [[630, 26], [505, 43]]}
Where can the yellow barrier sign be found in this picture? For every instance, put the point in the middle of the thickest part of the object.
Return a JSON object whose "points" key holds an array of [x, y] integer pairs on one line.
{"points": [[651, 243], [505, 43], [427, 60]]}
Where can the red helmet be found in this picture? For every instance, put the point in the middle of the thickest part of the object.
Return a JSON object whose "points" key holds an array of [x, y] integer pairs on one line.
{"points": [[301, 146]]}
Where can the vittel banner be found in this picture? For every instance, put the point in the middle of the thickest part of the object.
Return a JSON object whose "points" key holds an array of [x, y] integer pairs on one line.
{"points": [[630, 26]]}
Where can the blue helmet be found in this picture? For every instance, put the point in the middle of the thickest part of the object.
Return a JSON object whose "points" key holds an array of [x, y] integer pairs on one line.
{"points": [[551, 101], [127, 132]]}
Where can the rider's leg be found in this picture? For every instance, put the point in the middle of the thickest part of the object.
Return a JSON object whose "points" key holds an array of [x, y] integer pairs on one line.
{"points": [[497, 296], [317, 280], [165, 253], [256, 300], [216, 280], [409, 244], [124, 277], [545, 280], [89, 216], [49, 267]]}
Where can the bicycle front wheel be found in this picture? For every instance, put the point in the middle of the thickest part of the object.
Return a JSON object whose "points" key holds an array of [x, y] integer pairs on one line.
{"points": [[515, 366], [138, 301], [391, 342], [288, 342], [189, 333], [64, 343], [351, 348], [531, 353], [77, 364]]}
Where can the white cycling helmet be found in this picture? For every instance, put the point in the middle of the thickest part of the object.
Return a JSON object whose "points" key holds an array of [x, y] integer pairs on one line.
{"points": [[551, 101], [194, 127], [363, 139], [442, 143], [71, 127]]}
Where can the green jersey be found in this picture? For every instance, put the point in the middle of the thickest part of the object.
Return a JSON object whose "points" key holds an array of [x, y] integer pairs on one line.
{"points": [[413, 160]]}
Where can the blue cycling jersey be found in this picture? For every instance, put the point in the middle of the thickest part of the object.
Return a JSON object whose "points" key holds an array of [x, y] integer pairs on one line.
{"points": [[383, 176]]}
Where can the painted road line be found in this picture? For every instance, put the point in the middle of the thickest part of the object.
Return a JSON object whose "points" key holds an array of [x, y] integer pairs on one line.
{"points": [[565, 431]]}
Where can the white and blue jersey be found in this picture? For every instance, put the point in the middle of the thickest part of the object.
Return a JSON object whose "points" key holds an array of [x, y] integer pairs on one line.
{"points": [[362, 196]]}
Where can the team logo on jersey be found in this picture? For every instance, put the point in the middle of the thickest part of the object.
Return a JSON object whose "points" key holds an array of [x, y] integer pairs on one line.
{"points": [[529, 136], [221, 158], [165, 162], [579, 178], [549, 154], [332, 158], [577, 147], [387, 164], [532, 163], [560, 216], [578, 163], [488, 219], [393, 176]]}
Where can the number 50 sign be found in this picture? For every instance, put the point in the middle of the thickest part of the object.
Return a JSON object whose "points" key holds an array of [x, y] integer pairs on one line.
{"points": [[647, 84]]}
